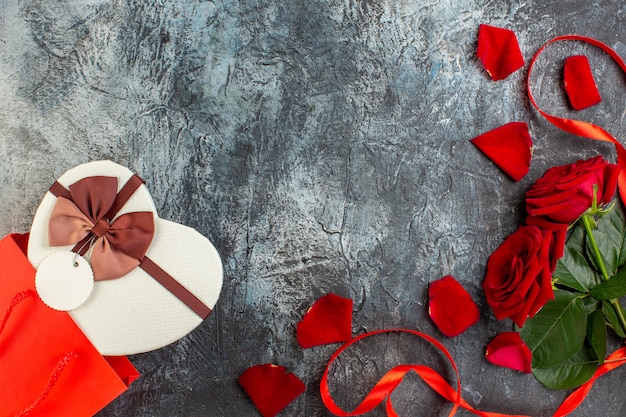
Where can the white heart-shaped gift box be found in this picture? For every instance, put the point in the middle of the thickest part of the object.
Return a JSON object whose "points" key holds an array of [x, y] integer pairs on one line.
{"points": [[136, 313]]}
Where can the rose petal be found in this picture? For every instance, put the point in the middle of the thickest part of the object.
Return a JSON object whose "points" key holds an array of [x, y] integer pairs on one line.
{"points": [[559, 234], [499, 51], [579, 84], [525, 308], [271, 388], [557, 246], [509, 351], [509, 147], [450, 307], [611, 176], [329, 320]]}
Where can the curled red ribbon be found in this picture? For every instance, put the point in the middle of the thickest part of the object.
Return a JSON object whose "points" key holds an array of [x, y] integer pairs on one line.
{"points": [[387, 384]]}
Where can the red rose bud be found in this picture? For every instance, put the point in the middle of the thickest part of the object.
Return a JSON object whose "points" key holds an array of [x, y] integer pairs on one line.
{"points": [[509, 351], [518, 279], [509, 147], [499, 51], [329, 320], [579, 84], [271, 388], [451, 307], [565, 192]]}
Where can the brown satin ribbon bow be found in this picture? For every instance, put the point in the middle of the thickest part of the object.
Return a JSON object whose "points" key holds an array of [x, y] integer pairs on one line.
{"points": [[83, 217]]}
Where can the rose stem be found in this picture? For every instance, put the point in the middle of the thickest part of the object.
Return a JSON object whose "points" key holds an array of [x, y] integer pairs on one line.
{"points": [[620, 313], [587, 218]]}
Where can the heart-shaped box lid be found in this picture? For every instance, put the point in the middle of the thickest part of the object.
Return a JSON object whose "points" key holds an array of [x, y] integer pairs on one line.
{"points": [[158, 302]]}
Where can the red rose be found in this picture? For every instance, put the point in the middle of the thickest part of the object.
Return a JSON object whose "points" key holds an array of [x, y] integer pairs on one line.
{"points": [[518, 279], [563, 193]]}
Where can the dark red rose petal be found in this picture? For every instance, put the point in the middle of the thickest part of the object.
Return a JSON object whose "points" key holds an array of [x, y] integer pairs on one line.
{"points": [[559, 234], [611, 175], [499, 51], [509, 147], [329, 320], [557, 247], [579, 84], [450, 307], [271, 388], [526, 308], [509, 351]]}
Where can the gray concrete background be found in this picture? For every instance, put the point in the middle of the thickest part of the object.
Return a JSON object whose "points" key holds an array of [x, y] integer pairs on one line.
{"points": [[323, 147]]}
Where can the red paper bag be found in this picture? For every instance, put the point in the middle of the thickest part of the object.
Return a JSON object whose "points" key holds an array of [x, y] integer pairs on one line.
{"points": [[47, 365]]}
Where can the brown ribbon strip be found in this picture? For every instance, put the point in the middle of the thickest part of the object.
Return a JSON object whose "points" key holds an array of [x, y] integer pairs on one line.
{"points": [[151, 268], [82, 246], [60, 191], [124, 195], [173, 286]]}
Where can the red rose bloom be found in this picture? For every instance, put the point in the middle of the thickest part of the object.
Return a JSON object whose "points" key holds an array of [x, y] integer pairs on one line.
{"points": [[518, 280], [563, 193]]}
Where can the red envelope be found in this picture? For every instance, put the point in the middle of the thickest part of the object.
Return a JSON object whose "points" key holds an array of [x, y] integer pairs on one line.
{"points": [[47, 365]]}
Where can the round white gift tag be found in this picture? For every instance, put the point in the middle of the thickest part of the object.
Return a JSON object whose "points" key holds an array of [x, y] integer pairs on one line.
{"points": [[64, 280]]}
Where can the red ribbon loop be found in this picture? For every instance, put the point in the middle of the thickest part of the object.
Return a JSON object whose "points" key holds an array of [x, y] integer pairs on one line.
{"points": [[387, 384]]}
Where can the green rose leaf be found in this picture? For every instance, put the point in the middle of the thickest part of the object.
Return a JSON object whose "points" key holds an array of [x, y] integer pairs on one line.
{"points": [[572, 372], [573, 269], [614, 287], [609, 237], [610, 314], [591, 305], [557, 331], [596, 334], [620, 212]]}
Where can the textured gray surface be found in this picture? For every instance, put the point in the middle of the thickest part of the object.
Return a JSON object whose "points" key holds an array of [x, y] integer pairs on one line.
{"points": [[323, 147]]}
